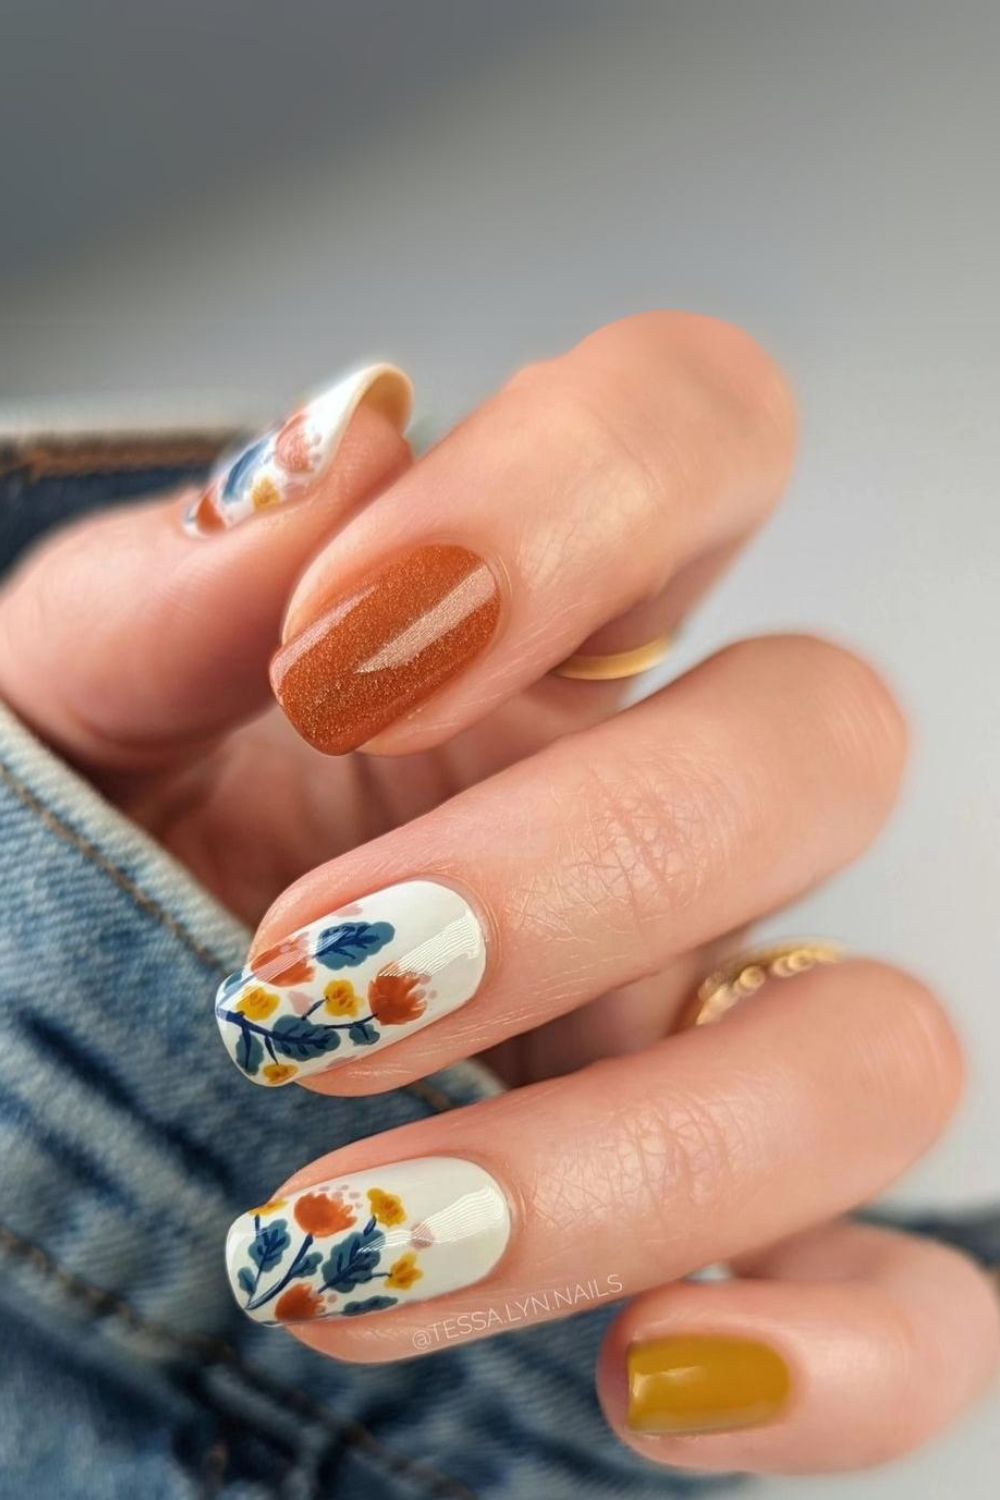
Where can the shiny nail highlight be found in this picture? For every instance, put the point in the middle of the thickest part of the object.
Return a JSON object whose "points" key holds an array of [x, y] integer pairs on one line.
{"points": [[282, 464], [701, 1384], [368, 1241], [385, 646], [352, 982]]}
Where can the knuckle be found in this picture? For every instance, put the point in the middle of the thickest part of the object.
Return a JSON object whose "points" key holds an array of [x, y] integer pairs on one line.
{"points": [[914, 1052], [854, 678], [708, 1150], [863, 713], [675, 409], [723, 360], [600, 448], [678, 1156], [583, 417], [649, 848], [848, 699], [901, 1358], [905, 1339]]}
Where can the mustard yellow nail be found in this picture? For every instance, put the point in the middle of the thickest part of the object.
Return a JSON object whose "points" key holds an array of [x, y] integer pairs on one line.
{"points": [[704, 1384]]}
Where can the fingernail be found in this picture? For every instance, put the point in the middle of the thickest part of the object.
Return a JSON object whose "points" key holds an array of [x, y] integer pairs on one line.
{"points": [[282, 464], [385, 646], [369, 1241], [351, 982], [692, 1385]]}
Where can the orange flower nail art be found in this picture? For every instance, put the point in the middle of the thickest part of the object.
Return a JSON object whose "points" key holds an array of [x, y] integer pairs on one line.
{"points": [[320, 1215], [436, 1224], [284, 463], [397, 998], [352, 981], [285, 963], [297, 1305]]}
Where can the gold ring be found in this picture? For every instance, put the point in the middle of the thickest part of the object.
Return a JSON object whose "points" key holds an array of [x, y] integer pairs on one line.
{"points": [[615, 665], [744, 974]]}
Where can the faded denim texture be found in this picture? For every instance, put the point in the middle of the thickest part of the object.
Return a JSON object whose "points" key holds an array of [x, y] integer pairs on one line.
{"points": [[127, 1369]]}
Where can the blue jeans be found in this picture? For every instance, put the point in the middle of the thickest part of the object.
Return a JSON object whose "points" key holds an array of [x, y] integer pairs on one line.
{"points": [[127, 1371]]}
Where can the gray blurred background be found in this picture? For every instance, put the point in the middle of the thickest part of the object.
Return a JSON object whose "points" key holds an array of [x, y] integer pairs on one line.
{"points": [[215, 205]]}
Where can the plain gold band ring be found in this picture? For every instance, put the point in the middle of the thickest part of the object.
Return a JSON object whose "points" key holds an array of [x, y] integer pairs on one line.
{"points": [[615, 665]]}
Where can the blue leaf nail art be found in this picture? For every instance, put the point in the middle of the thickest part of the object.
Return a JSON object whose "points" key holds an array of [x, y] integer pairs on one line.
{"points": [[354, 1260], [269, 1244], [348, 944], [350, 982], [249, 1051], [302, 1039], [244, 465], [370, 1304]]}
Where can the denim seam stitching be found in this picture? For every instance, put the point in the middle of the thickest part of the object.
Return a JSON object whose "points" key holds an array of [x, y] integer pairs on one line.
{"points": [[102, 1303], [435, 1097], [96, 459]]}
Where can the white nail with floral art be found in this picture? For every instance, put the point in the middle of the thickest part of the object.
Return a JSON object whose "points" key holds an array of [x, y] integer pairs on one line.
{"points": [[356, 980], [368, 1242], [282, 464]]}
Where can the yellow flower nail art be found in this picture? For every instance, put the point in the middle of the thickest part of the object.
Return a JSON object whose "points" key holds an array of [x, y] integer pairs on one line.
{"points": [[387, 1208], [403, 1273], [321, 1252], [279, 1072], [257, 1004], [265, 493], [339, 987], [342, 999]]}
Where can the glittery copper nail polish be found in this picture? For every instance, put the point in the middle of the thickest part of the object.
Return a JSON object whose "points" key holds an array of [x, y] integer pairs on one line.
{"points": [[386, 646]]}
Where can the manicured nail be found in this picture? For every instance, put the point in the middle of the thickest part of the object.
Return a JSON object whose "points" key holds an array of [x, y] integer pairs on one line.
{"points": [[282, 464], [385, 646], [704, 1384], [369, 1241], [351, 982]]}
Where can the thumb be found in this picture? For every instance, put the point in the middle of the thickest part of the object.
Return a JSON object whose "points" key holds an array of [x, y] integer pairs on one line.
{"points": [[132, 640]]}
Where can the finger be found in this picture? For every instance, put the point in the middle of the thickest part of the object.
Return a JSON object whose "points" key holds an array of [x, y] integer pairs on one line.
{"points": [[620, 1022], [853, 1346], [129, 640], [576, 497], [723, 797], [637, 1170]]}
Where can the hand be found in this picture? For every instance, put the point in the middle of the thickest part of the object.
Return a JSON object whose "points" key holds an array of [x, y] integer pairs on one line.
{"points": [[539, 876]]}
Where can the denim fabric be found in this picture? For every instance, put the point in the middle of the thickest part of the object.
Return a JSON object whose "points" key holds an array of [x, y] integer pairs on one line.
{"points": [[127, 1369]]}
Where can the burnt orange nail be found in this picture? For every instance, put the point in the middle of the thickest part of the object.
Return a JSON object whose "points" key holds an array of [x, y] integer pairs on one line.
{"points": [[386, 646]]}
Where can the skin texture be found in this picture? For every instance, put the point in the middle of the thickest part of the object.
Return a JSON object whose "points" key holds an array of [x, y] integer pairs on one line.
{"points": [[607, 488]]}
